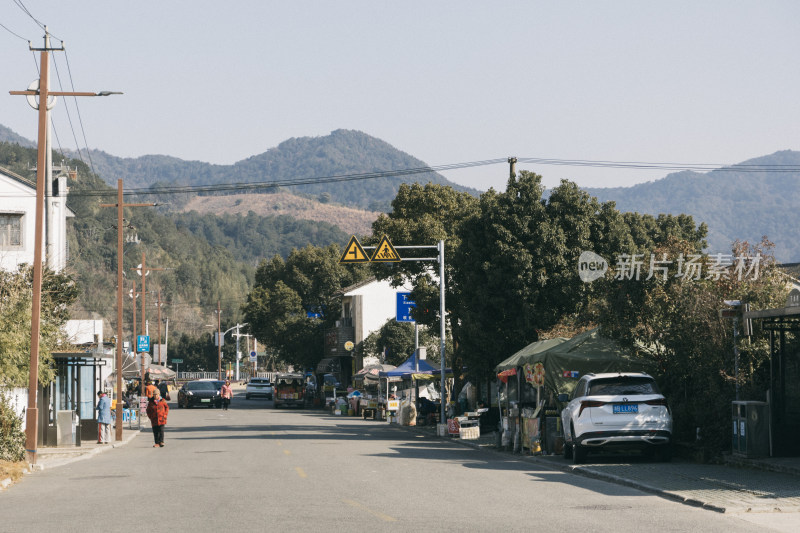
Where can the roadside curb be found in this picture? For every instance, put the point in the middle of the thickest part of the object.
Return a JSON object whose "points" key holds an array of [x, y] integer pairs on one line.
{"points": [[589, 472]]}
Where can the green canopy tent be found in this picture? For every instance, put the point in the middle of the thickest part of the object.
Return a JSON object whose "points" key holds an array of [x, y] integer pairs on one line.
{"points": [[528, 354], [556, 365], [566, 360]]}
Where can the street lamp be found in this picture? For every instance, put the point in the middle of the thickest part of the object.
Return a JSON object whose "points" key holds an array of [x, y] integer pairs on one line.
{"points": [[41, 88]]}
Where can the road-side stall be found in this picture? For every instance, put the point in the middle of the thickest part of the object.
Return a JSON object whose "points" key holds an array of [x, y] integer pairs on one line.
{"points": [[534, 376], [415, 380], [370, 403]]}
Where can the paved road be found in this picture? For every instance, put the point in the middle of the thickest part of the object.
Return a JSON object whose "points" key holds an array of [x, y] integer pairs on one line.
{"points": [[254, 468]]}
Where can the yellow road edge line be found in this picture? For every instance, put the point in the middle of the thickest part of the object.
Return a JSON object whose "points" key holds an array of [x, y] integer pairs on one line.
{"points": [[384, 517], [300, 472]]}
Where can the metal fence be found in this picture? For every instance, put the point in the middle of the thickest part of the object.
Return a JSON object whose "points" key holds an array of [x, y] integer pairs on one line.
{"points": [[190, 376]]}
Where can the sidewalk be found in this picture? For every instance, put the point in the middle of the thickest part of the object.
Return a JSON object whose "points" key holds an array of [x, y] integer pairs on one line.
{"points": [[49, 457], [739, 485]]}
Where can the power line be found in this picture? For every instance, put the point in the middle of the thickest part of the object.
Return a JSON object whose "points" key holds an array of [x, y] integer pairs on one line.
{"points": [[27, 12], [80, 119], [699, 167], [13, 33], [183, 189]]}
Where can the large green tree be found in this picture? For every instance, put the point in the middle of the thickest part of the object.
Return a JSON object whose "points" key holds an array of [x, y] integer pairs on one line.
{"points": [[672, 319], [394, 342], [309, 281], [518, 262]]}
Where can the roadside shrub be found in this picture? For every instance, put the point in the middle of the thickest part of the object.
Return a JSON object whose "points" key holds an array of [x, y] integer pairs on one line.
{"points": [[12, 439]]}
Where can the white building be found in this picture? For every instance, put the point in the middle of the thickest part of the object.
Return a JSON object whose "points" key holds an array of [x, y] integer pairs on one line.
{"points": [[18, 221], [366, 306]]}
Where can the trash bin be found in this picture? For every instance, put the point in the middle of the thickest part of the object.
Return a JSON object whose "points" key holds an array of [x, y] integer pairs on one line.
{"points": [[750, 436]]}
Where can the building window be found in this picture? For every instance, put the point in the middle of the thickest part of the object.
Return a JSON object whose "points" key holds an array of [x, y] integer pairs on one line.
{"points": [[10, 230]]}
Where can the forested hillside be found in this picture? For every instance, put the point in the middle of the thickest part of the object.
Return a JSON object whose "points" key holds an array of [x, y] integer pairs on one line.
{"points": [[735, 202], [207, 258], [343, 152]]}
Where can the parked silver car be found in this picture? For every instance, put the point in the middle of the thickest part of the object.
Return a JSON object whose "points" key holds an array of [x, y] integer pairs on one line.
{"points": [[619, 411]]}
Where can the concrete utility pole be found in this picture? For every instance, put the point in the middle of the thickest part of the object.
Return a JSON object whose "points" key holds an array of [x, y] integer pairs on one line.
{"points": [[238, 355], [42, 90], [120, 205], [219, 341], [512, 170]]}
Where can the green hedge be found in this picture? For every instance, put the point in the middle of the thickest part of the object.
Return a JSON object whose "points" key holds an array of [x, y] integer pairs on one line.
{"points": [[12, 439]]}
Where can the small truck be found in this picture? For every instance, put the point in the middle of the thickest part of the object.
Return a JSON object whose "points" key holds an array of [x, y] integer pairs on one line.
{"points": [[289, 389]]}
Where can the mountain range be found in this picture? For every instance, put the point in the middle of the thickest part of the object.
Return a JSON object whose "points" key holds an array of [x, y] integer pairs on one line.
{"points": [[736, 202]]}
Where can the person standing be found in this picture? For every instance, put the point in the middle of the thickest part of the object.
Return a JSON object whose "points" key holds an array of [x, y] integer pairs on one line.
{"points": [[103, 418], [157, 411], [227, 394]]}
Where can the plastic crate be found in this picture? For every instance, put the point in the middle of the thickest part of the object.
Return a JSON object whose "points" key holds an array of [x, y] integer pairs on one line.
{"points": [[470, 433]]}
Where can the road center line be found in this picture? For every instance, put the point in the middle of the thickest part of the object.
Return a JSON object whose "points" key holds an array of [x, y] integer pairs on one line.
{"points": [[384, 517], [300, 472]]}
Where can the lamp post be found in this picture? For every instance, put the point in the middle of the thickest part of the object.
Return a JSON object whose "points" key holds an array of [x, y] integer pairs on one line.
{"points": [[220, 341], [238, 354], [41, 88]]}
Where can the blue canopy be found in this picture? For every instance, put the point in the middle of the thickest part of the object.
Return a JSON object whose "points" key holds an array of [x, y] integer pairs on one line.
{"points": [[407, 368]]}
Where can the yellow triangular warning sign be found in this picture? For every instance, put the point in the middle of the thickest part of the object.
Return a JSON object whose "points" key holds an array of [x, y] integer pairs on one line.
{"points": [[354, 253], [385, 252]]}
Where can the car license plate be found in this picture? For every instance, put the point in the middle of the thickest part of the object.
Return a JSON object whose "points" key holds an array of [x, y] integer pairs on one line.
{"points": [[623, 408], [205, 400]]}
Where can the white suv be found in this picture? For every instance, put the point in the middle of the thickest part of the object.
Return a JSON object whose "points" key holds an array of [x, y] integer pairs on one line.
{"points": [[258, 387], [622, 411]]}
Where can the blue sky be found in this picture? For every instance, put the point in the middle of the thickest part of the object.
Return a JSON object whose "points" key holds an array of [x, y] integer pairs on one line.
{"points": [[447, 82]]}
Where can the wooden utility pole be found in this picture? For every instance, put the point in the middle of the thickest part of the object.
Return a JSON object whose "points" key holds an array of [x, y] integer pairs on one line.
{"points": [[143, 270], [44, 93], [120, 205], [158, 303], [133, 347]]}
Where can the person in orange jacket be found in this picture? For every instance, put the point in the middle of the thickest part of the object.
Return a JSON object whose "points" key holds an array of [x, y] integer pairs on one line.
{"points": [[148, 390], [157, 411]]}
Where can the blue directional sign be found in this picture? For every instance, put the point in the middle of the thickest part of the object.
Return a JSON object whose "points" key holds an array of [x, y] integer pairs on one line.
{"points": [[143, 343], [404, 305]]}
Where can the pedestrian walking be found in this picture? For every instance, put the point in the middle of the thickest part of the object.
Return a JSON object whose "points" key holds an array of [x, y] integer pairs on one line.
{"points": [[149, 388], [163, 388], [157, 411], [103, 418], [227, 394]]}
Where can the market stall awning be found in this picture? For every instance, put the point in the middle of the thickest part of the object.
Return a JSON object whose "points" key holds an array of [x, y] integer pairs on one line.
{"points": [[528, 354], [132, 368], [370, 374]]}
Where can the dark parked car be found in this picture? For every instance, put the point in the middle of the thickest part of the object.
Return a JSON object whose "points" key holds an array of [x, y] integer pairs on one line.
{"points": [[203, 393]]}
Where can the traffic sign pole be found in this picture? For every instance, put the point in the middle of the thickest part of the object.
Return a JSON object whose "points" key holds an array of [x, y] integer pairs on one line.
{"points": [[386, 253]]}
